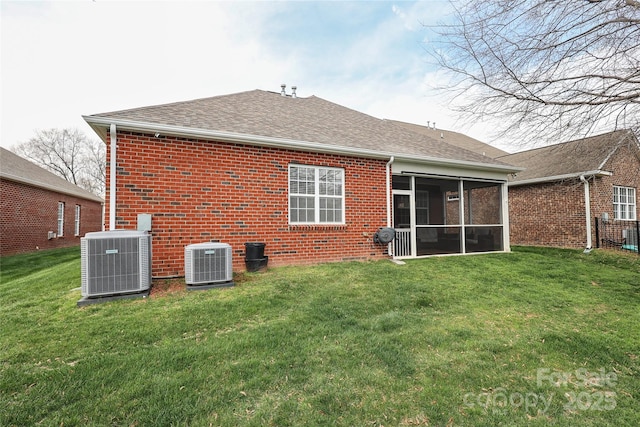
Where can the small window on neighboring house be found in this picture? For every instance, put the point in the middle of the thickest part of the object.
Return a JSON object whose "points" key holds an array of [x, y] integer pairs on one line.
{"points": [[60, 219], [77, 221], [316, 195], [624, 203]]}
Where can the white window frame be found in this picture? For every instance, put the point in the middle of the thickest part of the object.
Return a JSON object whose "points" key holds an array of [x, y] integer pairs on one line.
{"points": [[316, 196], [76, 224], [624, 203], [60, 219]]}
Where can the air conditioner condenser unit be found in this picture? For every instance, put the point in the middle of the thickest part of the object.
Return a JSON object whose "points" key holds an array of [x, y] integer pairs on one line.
{"points": [[208, 265], [115, 263]]}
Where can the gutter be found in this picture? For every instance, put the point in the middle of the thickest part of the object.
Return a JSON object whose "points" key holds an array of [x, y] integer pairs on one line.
{"points": [[388, 171], [99, 125], [595, 173], [587, 212], [112, 178]]}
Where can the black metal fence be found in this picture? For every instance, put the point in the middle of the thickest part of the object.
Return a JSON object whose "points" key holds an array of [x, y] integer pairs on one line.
{"points": [[623, 235]]}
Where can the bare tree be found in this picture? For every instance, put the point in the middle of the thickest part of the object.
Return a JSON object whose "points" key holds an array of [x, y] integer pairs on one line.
{"points": [[69, 154], [547, 71]]}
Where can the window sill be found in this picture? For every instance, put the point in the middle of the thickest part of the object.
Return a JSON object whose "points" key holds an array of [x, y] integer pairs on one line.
{"points": [[311, 227]]}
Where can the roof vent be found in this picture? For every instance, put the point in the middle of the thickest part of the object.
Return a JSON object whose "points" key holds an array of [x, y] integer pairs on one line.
{"points": [[293, 91], [283, 92]]}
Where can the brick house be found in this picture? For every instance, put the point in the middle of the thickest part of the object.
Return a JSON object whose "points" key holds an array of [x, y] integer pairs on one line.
{"points": [[39, 210], [565, 186], [311, 179]]}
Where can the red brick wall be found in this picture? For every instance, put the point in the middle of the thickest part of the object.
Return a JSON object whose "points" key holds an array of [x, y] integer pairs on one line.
{"points": [[549, 214], [625, 165], [553, 214], [199, 191], [28, 213]]}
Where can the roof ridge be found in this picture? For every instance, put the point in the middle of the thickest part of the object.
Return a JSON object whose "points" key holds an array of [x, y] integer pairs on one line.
{"points": [[173, 103]]}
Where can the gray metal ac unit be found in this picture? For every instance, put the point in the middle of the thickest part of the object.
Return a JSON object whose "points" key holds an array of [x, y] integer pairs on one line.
{"points": [[208, 263], [115, 262], [630, 236]]}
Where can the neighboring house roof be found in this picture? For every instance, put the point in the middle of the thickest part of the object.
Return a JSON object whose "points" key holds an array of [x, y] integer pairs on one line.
{"points": [[271, 119], [572, 159], [18, 169], [454, 138]]}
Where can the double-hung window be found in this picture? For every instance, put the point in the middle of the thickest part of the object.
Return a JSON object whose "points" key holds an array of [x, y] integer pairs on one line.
{"points": [[316, 195], [77, 221], [60, 219], [624, 203]]}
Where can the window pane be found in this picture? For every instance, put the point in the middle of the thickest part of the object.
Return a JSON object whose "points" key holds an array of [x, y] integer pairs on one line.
{"points": [[330, 210], [310, 188], [60, 218], [401, 182], [624, 203], [77, 221]]}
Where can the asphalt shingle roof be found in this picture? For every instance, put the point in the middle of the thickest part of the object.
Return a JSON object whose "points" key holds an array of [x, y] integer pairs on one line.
{"points": [[569, 158], [16, 168], [311, 119], [454, 138]]}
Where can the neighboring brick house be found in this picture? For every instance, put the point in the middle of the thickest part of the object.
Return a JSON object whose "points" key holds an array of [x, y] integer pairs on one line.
{"points": [[311, 179], [39, 210], [547, 200]]}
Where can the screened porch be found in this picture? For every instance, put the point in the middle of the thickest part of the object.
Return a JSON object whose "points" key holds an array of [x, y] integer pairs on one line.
{"points": [[446, 215]]}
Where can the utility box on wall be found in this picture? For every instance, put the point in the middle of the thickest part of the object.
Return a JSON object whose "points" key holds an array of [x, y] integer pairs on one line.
{"points": [[144, 222]]}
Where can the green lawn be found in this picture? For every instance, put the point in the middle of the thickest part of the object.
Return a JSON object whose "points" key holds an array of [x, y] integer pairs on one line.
{"points": [[536, 337]]}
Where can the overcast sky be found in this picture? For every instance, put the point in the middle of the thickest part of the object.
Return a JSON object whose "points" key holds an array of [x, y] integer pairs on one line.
{"points": [[64, 59]]}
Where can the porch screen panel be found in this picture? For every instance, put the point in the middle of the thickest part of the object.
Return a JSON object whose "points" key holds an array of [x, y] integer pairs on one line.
{"points": [[482, 203], [438, 227], [483, 216]]}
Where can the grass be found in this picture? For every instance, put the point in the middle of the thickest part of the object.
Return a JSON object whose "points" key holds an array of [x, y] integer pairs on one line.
{"points": [[536, 337]]}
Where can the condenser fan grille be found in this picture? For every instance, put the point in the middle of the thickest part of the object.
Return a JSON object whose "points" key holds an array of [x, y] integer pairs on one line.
{"points": [[208, 263], [115, 263]]}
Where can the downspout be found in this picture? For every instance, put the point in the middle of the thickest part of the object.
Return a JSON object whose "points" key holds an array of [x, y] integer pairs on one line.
{"points": [[587, 211], [388, 169], [112, 179]]}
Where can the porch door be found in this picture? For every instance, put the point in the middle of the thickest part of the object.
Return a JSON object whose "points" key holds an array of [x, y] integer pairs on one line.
{"points": [[404, 223]]}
